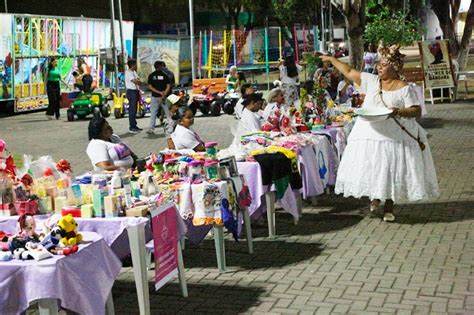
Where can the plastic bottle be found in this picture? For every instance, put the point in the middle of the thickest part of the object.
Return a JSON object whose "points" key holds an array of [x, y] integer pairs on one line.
{"points": [[115, 183]]}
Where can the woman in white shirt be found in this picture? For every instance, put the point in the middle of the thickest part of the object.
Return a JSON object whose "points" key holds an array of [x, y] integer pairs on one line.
{"points": [[276, 99], [106, 150], [289, 77], [250, 120], [183, 136]]}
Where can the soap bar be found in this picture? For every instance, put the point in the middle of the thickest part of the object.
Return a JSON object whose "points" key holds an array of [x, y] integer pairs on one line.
{"points": [[45, 205], [59, 203], [139, 211], [87, 211], [98, 202], [86, 191], [111, 206]]}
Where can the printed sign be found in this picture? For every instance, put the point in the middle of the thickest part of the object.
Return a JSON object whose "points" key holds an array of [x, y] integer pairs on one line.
{"points": [[31, 103], [163, 221], [436, 63]]}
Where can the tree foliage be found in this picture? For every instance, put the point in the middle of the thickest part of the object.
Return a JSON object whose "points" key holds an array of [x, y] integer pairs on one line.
{"points": [[392, 28]]}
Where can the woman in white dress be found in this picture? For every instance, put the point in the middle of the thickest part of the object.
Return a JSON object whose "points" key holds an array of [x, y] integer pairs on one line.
{"points": [[383, 161]]}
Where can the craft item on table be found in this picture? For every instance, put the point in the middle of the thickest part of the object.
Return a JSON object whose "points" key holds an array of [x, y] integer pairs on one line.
{"points": [[27, 207], [158, 161], [139, 211], [26, 227], [37, 251], [127, 191], [87, 191], [212, 169], [183, 169], [195, 171], [317, 127], [73, 210], [64, 167], [7, 196], [7, 165], [211, 149], [69, 228], [280, 170], [59, 203], [76, 190], [207, 204], [26, 182], [87, 211], [66, 250], [136, 192], [98, 202], [112, 206], [229, 220], [5, 256], [99, 180], [45, 205], [148, 184], [115, 183]]}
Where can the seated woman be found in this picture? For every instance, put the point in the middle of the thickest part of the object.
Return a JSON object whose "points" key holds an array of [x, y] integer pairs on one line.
{"points": [[106, 150], [183, 136], [276, 98], [251, 121]]}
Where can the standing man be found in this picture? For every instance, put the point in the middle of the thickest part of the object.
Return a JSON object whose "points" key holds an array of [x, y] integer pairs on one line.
{"points": [[133, 93], [170, 75], [159, 85]]}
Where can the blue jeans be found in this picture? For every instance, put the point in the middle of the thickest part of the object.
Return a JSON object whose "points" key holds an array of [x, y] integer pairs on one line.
{"points": [[132, 96], [156, 104]]}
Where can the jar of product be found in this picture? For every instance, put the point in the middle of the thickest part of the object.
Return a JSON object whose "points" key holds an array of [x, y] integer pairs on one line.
{"points": [[211, 149], [212, 169]]}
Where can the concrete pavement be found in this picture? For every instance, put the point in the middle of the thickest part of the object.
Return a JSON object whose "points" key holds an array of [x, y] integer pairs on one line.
{"points": [[335, 260]]}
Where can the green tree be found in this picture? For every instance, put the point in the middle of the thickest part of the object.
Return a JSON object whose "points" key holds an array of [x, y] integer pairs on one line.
{"points": [[392, 28], [448, 14]]}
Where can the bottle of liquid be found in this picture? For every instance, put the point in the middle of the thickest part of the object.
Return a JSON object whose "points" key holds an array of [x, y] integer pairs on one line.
{"points": [[115, 183]]}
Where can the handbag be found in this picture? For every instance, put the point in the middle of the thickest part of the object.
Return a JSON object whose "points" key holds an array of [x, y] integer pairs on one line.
{"points": [[417, 139]]}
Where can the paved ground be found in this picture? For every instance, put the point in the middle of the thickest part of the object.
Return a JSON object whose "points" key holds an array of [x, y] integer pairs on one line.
{"points": [[335, 260]]}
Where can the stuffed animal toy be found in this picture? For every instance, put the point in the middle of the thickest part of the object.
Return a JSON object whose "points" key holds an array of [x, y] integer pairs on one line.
{"points": [[69, 226], [27, 226]]}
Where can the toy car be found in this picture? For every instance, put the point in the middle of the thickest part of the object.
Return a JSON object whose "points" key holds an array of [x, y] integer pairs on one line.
{"points": [[89, 103], [206, 101], [121, 106]]}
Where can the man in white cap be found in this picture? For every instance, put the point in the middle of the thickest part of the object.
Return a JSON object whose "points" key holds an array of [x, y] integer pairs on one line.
{"points": [[175, 103]]}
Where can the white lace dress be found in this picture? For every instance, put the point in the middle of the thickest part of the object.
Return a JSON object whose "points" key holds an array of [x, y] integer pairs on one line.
{"points": [[381, 161]]}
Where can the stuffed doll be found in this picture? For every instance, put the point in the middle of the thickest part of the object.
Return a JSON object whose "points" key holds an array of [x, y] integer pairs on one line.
{"points": [[27, 227], [69, 226]]}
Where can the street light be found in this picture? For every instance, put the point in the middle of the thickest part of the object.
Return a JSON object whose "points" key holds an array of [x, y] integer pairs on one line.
{"points": [[6, 6]]}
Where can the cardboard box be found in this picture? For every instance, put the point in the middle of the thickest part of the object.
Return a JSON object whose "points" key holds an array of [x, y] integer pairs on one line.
{"points": [[140, 211]]}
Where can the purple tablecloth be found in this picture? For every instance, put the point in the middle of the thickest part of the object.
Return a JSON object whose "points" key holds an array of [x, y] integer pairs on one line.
{"points": [[253, 178], [81, 282], [112, 230]]}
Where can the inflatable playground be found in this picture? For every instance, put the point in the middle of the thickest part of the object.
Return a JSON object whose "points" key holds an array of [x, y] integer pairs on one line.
{"points": [[258, 49], [29, 41]]}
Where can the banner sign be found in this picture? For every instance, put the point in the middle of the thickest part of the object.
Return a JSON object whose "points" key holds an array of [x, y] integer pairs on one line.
{"points": [[436, 62], [163, 221]]}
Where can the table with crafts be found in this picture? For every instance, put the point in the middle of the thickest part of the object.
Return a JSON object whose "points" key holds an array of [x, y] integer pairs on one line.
{"points": [[64, 281]]}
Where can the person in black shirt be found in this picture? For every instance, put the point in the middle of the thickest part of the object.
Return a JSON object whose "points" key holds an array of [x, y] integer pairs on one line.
{"points": [[159, 85]]}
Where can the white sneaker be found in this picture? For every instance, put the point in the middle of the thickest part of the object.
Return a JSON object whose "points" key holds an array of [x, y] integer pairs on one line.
{"points": [[150, 131], [388, 217]]}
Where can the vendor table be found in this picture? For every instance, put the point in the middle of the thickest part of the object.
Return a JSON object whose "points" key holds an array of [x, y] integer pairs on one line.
{"points": [[114, 231], [80, 282]]}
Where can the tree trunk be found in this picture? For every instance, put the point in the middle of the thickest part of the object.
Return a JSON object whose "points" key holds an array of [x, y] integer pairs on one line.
{"points": [[355, 24], [356, 51], [466, 38], [442, 9]]}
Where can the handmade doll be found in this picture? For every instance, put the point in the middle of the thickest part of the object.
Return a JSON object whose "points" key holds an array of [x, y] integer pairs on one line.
{"points": [[27, 226]]}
